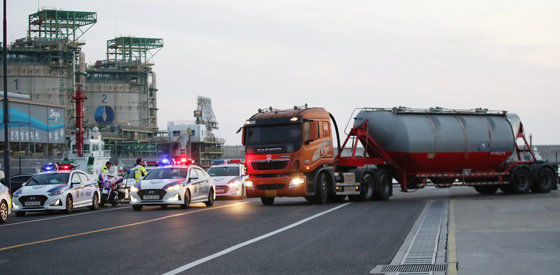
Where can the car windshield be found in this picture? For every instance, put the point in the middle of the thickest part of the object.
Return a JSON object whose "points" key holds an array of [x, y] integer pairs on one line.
{"points": [[273, 134], [49, 178], [223, 171], [167, 173]]}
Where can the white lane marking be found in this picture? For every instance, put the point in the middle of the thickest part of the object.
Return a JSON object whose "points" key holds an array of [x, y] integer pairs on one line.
{"points": [[235, 247], [60, 217]]}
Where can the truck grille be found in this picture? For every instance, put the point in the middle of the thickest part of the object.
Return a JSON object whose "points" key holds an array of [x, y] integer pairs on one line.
{"points": [[271, 186], [272, 165]]}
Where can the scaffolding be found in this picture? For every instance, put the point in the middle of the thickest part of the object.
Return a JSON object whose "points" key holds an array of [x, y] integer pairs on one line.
{"points": [[60, 25], [133, 49]]}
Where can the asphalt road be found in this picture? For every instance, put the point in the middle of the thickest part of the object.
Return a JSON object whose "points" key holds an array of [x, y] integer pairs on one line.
{"points": [[245, 237]]}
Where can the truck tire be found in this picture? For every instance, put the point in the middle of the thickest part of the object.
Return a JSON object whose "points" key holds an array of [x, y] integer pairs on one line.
{"points": [[267, 200], [367, 187], [383, 190], [321, 189], [486, 189], [521, 182], [544, 181]]}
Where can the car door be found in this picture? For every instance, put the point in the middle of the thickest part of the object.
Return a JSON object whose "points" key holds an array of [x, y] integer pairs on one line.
{"points": [[87, 187], [204, 182], [76, 190], [194, 182]]}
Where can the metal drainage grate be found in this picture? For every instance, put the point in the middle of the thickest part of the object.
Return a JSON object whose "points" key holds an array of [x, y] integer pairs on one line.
{"points": [[423, 248], [410, 268]]}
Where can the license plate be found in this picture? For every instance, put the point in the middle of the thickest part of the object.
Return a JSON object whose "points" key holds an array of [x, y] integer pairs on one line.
{"points": [[32, 203], [270, 193], [151, 197]]}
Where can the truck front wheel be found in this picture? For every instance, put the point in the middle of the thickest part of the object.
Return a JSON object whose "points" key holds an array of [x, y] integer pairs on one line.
{"points": [[267, 200], [321, 192]]}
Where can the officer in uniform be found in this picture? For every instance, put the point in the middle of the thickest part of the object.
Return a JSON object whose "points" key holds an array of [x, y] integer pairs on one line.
{"points": [[140, 170], [104, 171]]}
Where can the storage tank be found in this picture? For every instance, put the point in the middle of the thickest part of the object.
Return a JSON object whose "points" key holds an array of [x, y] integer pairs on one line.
{"points": [[441, 140]]}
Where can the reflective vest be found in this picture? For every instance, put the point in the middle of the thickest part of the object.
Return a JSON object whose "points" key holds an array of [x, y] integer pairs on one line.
{"points": [[139, 172], [104, 171]]}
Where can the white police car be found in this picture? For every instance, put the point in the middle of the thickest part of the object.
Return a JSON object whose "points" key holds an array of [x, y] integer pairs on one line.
{"points": [[173, 185], [56, 189], [5, 208], [229, 177]]}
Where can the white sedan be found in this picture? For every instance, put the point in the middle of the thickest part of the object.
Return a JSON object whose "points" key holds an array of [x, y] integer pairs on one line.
{"points": [[56, 190], [229, 179], [173, 185], [5, 208]]}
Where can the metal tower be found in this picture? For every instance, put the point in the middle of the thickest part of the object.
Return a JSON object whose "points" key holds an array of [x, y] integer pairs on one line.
{"points": [[129, 49], [205, 115]]}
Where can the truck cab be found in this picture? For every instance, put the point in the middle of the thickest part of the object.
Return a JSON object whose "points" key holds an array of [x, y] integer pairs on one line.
{"points": [[289, 153]]}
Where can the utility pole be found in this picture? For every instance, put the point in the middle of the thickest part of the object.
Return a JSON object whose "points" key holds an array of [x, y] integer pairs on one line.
{"points": [[6, 112]]}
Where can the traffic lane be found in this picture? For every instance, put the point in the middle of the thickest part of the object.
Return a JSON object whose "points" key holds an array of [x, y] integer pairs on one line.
{"points": [[157, 247], [47, 226], [350, 240]]}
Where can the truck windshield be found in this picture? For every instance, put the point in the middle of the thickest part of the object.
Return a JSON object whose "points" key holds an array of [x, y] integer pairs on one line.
{"points": [[167, 173], [49, 178], [223, 171], [273, 134]]}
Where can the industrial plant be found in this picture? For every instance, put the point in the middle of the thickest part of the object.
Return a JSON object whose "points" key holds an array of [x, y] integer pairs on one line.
{"points": [[118, 96]]}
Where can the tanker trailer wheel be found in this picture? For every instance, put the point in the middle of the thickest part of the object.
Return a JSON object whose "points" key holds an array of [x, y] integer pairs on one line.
{"points": [[321, 191], [545, 181], [384, 182], [486, 189], [521, 182]]}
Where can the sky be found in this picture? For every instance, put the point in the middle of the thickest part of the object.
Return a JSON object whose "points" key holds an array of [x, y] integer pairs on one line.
{"points": [[340, 55]]}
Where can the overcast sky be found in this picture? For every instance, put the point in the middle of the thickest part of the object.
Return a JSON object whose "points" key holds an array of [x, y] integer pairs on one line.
{"points": [[246, 54]]}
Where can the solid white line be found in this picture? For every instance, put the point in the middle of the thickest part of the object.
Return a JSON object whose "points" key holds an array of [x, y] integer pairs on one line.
{"points": [[235, 247], [60, 217]]}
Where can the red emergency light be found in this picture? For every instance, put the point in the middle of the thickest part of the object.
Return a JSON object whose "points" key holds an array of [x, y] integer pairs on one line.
{"points": [[183, 160]]}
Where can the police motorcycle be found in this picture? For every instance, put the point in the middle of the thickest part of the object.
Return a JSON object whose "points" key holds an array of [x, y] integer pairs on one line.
{"points": [[112, 190]]}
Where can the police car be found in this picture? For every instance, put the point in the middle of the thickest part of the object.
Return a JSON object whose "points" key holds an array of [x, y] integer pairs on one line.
{"points": [[176, 184], [5, 208], [57, 188], [229, 177]]}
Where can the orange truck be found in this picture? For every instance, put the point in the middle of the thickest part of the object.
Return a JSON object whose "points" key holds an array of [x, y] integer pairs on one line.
{"points": [[290, 153]]}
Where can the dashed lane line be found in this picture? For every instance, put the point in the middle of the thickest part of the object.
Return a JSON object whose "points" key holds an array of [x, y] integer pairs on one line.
{"points": [[243, 244], [60, 217], [115, 227]]}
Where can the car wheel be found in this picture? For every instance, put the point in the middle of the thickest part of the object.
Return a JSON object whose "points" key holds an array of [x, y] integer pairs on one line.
{"points": [[137, 207], [187, 200], [69, 204], [94, 201], [210, 200], [3, 212]]}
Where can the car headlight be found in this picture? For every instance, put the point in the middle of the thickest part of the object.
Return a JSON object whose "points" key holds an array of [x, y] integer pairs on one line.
{"points": [[175, 187], [56, 193], [15, 195], [233, 183], [134, 189]]}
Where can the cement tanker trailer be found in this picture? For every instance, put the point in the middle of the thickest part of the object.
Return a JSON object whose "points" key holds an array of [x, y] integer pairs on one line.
{"points": [[290, 153]]}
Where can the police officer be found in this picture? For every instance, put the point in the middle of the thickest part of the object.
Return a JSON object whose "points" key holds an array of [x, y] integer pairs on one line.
{"points": [[104, 171], [139, 171]]}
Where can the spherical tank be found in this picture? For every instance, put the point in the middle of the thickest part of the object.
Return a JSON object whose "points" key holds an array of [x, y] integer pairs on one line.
{"points": [[441, 142]]}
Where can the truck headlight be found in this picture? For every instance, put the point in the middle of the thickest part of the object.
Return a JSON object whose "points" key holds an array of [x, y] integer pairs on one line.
{"points": [[249, 184], [296, 181]]}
